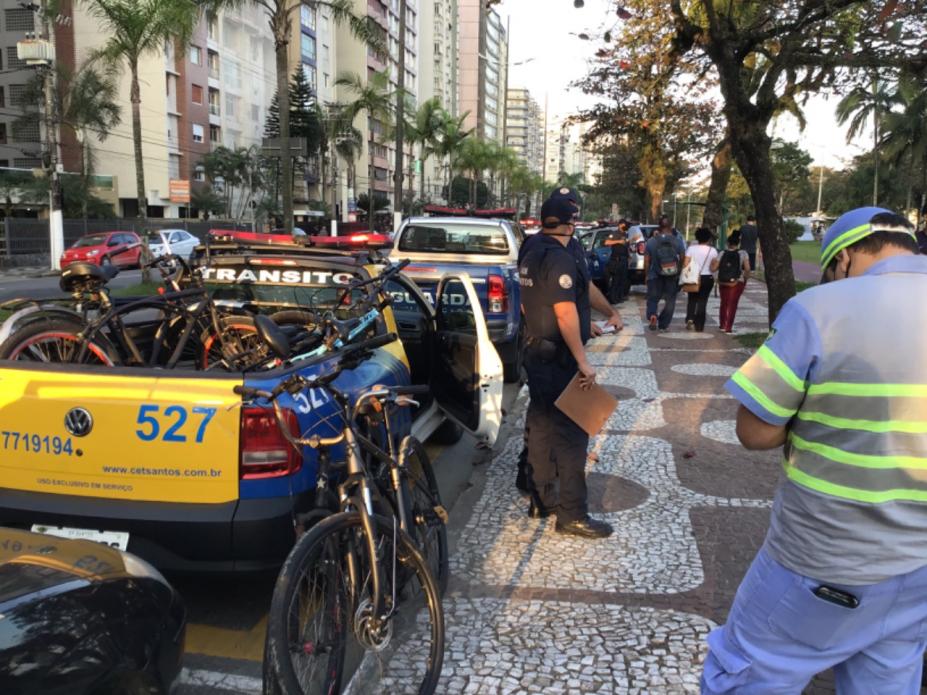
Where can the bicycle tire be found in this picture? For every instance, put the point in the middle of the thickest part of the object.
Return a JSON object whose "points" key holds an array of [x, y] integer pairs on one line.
{"points": [[57, 341], [235, 330], [425, 500], [332, 537]]}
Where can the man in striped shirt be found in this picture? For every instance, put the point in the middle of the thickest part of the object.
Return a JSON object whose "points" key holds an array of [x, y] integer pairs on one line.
{"points": [[841, 385]]}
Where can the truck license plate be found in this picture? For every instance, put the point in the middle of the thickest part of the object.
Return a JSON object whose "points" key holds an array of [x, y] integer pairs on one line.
{"points": [[114, 539]]}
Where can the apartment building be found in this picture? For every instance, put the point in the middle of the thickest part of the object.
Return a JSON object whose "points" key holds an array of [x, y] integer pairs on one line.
{"points": [[439, 76], [483, 66], [524, 129], [20, 141]]}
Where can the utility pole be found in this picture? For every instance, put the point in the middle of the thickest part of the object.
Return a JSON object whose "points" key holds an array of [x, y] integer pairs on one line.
{"points": [[820, 187], [51, 156], [398, 177]]}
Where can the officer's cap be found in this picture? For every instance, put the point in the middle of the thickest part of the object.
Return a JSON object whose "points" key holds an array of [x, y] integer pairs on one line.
{"points": [[556, 211], [565, 193], [857, 224]]}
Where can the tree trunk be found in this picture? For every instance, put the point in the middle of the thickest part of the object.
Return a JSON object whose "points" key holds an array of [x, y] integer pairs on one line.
{"points": [[421, 183], [720, 176], [136, 99], [280, 26], [750, 145], [85, 175]]}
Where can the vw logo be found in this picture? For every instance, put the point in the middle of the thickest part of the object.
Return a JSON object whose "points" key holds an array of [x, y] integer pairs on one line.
{"points": [[78, 422]]}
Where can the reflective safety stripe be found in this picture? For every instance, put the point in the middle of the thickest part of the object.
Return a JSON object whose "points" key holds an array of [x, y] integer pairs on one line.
{"points": [[853, 459], [757, 394], [781, 368], [836, 388], [851, 493], [842, 241], [882, 426]]}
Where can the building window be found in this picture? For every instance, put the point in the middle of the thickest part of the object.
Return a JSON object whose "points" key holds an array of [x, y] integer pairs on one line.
{"points": [[2, 133], [19, 20], [199, 173], [198, 133], [2, 97], [231, 106], [255, 113], [308, 17], [173, 166], [310, 74], [215, 134], [4, 163], [27, 162], [214, 102], [26, 131], [212, 26], [197, 94], [308, 46], [213, 58], [196, 55], [12, 61]]}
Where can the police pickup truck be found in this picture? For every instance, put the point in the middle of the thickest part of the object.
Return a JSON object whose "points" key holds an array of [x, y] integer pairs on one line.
{"points": [[171, 465], [486, 250]]}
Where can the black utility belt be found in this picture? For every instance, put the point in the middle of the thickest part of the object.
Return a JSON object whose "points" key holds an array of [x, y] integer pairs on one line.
{"points": [[546, 350]]}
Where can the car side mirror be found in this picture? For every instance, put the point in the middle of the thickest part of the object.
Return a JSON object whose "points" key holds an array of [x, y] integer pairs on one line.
{"points": [[273, 337]]}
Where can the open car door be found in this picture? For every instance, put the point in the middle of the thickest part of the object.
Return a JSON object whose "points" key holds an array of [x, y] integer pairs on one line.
{"points": [[467, 376]]}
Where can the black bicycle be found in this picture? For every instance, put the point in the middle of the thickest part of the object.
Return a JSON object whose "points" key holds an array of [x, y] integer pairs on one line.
{"points": [[187, 326], [359, 592]]}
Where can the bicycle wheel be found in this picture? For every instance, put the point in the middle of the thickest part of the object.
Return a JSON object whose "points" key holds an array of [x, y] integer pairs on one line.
{"points": [[319, 636], [237, 338], [58, 340], [428, 515]]}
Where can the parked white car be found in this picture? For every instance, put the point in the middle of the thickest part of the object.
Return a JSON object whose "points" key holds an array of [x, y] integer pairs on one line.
{"points": [[176, 241]]}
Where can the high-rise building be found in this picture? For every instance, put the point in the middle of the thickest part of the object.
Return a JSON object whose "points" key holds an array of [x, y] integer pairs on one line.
{"points": [[438, 78], [524, 129], [20, 138], [484, 57], [567, 153]]}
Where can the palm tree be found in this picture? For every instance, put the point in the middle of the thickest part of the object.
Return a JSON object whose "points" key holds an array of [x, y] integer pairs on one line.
{"points": [[857, 107], [280, 18], [373, 97], [347, 143], [424, 129], [904, 136], [449, 140], [136, 29], [474, 157]]}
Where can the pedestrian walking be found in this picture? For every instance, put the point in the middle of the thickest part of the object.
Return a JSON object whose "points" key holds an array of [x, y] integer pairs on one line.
{"points": [[557, 299], [617, 269], [841, 579], [662, 262], [749, 238], [733, 273], [704, 256]]}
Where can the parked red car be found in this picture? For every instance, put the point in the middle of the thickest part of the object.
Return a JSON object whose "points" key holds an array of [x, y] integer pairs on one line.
{"points": [[93, 247]]}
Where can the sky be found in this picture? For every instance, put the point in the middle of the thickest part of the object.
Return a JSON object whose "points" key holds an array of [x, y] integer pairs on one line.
{"points": [[546, 39]]}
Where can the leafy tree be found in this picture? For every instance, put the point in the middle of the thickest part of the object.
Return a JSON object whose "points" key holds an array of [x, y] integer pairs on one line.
{"points": [[905, 137], [766, 56], [205, 199], [238, 173], [858, 106], [272, 122], [464, 190], [22, 187], [305, 121], [424, 129], [136, 28], [449, 140], [790, 169]]}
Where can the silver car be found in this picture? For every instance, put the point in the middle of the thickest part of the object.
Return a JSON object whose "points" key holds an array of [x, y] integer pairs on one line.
{"points": [[637, 241]]}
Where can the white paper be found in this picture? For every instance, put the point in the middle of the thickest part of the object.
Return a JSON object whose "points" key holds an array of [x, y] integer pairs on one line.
{"points": [[606, 330]]}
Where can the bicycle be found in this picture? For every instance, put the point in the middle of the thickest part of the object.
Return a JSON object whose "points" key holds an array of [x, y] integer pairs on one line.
{"points": [[191, 326], [359, 572]]}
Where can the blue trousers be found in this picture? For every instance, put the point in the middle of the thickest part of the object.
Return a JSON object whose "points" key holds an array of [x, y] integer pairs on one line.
{"points": [[779, 635], [665, 288]]}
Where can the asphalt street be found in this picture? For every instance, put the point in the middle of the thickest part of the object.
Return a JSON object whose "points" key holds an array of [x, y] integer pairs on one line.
{"points": [[47, 287]]}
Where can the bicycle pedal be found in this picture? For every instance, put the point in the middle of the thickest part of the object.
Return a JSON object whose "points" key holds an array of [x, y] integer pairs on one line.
{"points": [[442, 513]]}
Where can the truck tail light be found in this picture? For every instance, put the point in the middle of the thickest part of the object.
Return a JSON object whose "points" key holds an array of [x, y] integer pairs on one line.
{"points": [[498, 297], [263, 450]]}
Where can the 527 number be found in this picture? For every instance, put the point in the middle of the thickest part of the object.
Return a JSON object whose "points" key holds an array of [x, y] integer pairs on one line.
{"points": [[169, 425]]}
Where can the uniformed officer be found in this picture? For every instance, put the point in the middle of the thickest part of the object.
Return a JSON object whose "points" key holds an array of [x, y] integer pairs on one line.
{"points": [[555, 291], [596, 298], [841, 580]]}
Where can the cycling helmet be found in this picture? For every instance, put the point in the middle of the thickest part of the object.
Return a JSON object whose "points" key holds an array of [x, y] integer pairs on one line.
{"points": [[852, 226]]}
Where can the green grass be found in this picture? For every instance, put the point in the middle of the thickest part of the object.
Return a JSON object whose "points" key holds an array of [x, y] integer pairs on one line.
{"points": [[807, 251], [4, 315], [751, 340], [140, 290]]}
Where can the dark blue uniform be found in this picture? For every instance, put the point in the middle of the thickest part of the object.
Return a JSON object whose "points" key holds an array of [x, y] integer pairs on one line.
{"points": [[550, 273]]}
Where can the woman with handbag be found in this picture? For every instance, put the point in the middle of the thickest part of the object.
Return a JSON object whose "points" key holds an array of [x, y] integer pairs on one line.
{"points": [[697, 278]]}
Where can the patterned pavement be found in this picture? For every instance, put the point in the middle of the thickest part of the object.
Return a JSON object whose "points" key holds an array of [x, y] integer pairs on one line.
{"points": [[532, 611]]}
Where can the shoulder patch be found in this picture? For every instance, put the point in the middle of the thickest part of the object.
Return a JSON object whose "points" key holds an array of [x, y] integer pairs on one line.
{"points": [[566, 282]]}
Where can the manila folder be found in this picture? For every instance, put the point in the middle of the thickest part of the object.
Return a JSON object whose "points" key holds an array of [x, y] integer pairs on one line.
{"points": [[589, 408]]}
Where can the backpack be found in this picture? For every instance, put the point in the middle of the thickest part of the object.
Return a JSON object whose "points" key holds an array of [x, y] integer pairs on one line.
{"points": [[667, 257], [730, 267]]}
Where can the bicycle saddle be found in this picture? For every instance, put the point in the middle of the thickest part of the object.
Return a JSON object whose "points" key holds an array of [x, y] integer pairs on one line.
{"points": [[272, 336], [81, 276]]}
